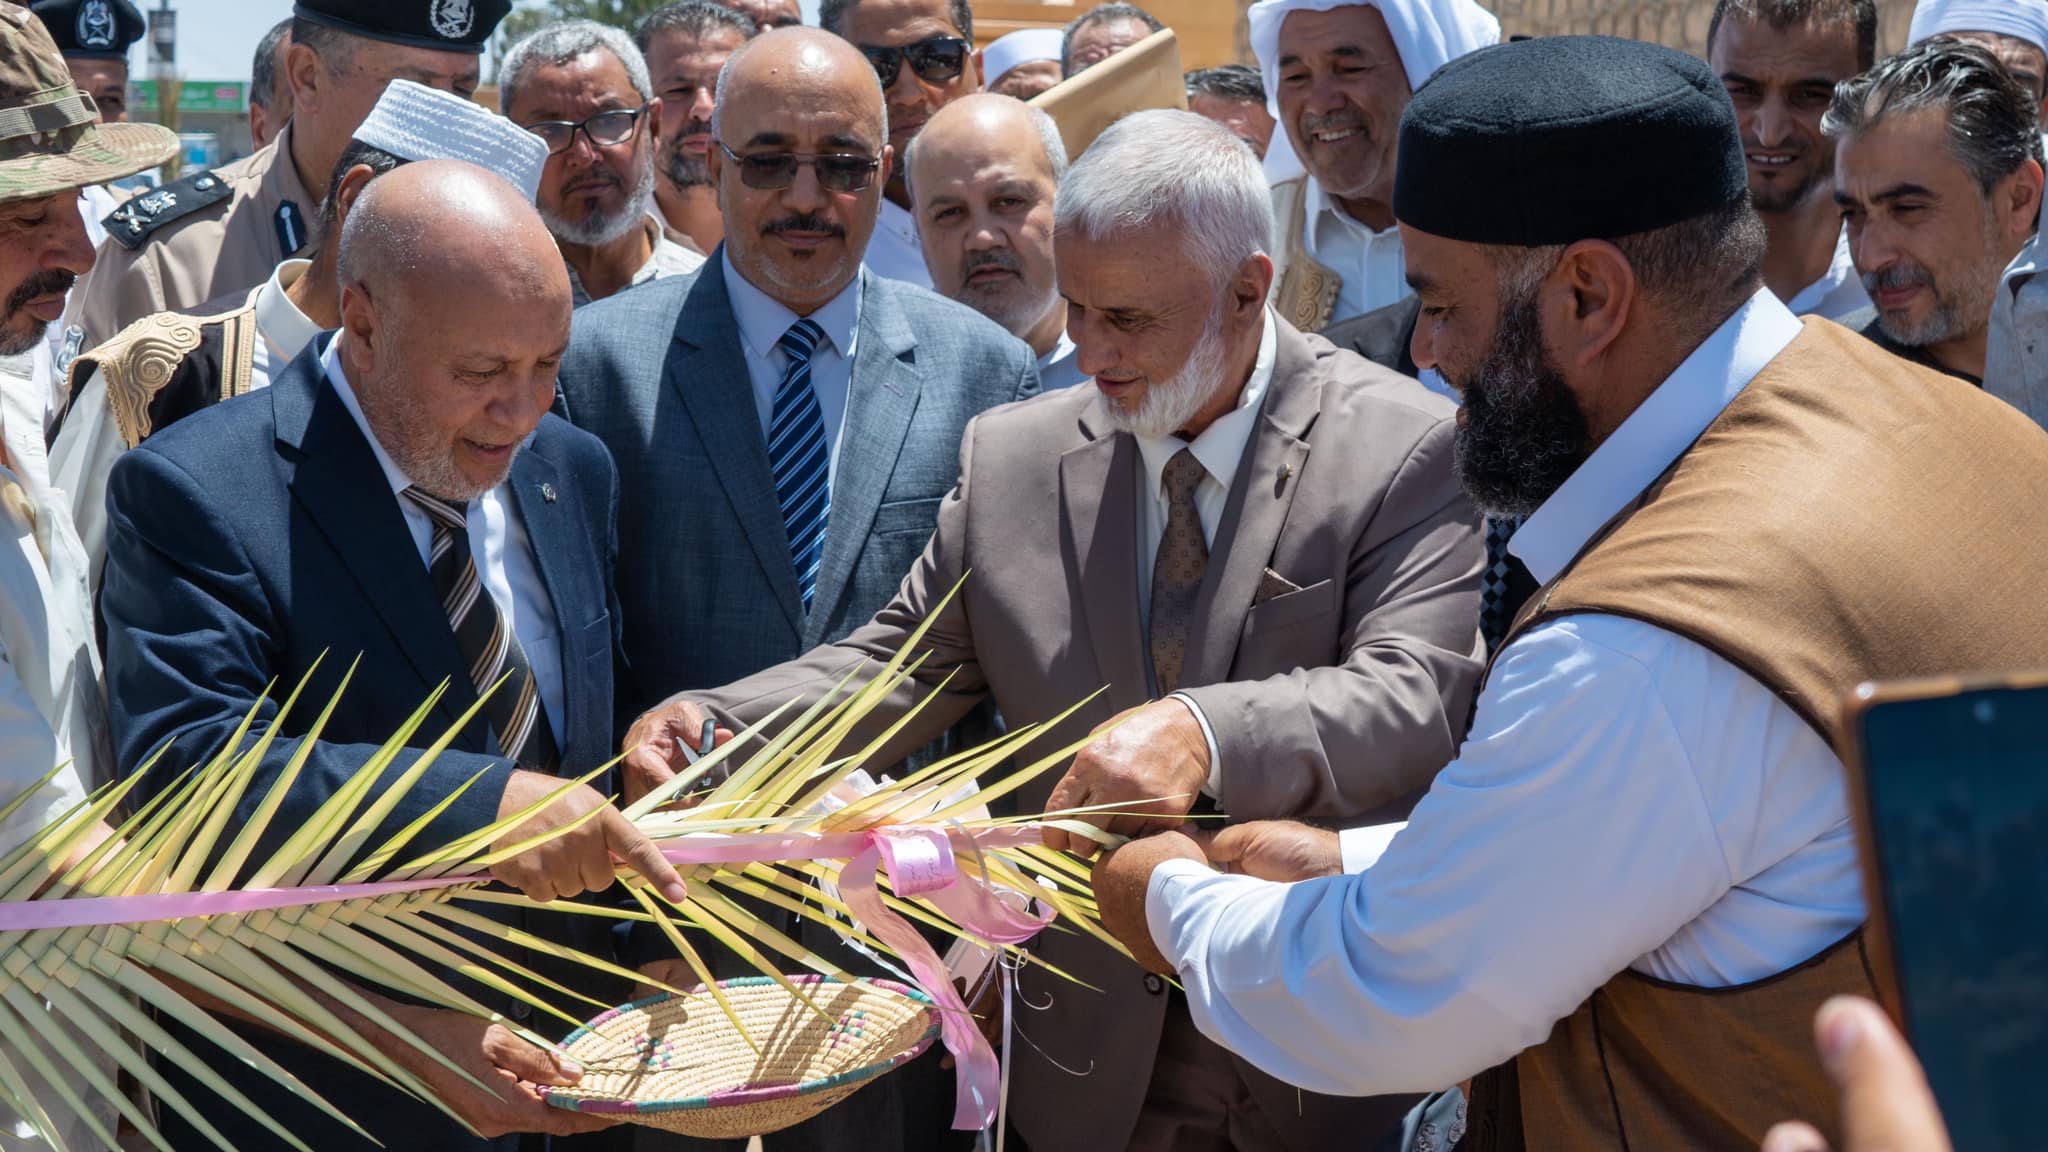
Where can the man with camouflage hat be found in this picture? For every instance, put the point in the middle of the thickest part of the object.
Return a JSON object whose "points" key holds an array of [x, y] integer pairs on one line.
{"points": [[218, 231], [52, 706], [120, 393]]}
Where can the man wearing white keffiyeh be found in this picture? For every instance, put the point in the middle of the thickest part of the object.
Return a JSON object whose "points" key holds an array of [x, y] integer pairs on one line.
{"points": [[1338, 74]]}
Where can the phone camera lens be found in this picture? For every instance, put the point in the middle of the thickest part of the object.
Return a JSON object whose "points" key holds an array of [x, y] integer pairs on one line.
{"points": [[1985, 712]]}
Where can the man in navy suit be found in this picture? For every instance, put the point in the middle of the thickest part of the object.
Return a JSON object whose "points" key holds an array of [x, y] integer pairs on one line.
{"points": [[398, 497], [788, 423]]}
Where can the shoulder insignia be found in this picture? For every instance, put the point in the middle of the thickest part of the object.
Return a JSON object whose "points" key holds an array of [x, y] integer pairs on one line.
{"points": [[138, 362], [131, 224], [238, 350]]}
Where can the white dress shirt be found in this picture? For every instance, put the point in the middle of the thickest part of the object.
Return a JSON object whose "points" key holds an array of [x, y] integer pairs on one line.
{"points": [[53, 711], [1838, 292], [1625, 799], [762, 320], [1369, 263], [502, 550], [90, 441], [1060, 368], [893, 249], [1219, 448]]}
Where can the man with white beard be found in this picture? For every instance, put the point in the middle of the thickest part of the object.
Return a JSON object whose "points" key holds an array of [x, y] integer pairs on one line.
{"points": [[983, 178], [582, 87], [1257, 545]]}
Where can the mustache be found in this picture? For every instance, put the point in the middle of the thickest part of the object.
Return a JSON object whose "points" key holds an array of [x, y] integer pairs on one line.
{"points": [[1336, 122], [1899, 276], [998, 257], [805, 222], [50, 282]]}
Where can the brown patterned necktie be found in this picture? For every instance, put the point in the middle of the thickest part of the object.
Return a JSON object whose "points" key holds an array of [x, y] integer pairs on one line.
{"points": [[481, 636], [1177, 570]]}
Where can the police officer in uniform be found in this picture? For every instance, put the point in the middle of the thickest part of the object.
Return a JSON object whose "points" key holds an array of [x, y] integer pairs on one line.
{"points": [[165, 367], [219, 231]]}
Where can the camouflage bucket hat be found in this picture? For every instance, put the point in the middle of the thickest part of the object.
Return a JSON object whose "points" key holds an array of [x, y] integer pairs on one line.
{"points": [[48, 141]]}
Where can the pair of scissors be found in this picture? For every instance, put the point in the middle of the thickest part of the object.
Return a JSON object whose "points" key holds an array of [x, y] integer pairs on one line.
{"points": [[703, 748]]}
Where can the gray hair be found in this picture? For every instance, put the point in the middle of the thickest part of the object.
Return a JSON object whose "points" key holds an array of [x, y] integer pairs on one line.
{"points": [[1101, 14], [1178, 169], [1239, 82], [263, 73], [695, 19], [832, 15], [561, 43], [1049, 139], [1992, 126]]}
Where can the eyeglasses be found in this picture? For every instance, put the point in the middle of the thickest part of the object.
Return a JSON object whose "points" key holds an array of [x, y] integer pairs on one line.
{"points": [[604, 129], [774, 171], [935, 60]]}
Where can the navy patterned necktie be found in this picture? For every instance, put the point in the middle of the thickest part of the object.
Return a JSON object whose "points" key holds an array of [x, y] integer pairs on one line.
{"points": [[1505, 585], [486, 644], [799, 457]]}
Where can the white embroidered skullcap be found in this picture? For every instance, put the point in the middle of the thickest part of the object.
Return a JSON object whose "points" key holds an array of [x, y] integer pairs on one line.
{"points": [[2021, 19], [1427, 34], [1025, 46], [414, 122]]}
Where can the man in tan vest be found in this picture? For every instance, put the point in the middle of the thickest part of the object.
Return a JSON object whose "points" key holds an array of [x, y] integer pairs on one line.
{"points": [[1621, 905]]}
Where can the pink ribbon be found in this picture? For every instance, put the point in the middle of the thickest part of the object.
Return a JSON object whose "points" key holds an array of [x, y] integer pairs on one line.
{"points": [[921, 860]]}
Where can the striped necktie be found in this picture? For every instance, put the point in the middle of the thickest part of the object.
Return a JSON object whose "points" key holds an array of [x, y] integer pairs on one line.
{"points": [[799, 458], [486, 644]]}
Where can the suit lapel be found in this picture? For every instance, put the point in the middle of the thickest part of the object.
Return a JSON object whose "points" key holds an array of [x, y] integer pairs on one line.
{"points": [[1260, 496], [338, 482], [1099, 504], [708, 369], [568, 569], [880, 400]]}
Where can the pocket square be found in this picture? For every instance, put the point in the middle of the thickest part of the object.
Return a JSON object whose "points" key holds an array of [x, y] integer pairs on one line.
{"points": [[1272, 585]]}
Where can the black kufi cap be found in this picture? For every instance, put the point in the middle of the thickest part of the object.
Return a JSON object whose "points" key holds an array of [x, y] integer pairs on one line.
{"points": [[91, 29], [445, 25], [1567, 138]]}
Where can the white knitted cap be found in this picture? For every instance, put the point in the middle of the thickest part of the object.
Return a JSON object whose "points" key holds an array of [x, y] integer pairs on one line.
{"points": [[414, 122]]}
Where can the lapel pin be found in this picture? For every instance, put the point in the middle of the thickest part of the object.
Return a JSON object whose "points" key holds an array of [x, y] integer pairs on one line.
{"points": [[547, 493]]}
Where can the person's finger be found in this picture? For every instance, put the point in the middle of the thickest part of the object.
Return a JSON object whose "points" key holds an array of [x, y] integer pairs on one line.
{"points": [[1794, 1136], [1886, 1103], [645, 768], [528, 1062], [720, 735], [632, 845], [1066, 794], [1226, 845]]}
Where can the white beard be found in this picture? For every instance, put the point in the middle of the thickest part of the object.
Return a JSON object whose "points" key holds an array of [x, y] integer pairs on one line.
{"points": [[1169, 405]]}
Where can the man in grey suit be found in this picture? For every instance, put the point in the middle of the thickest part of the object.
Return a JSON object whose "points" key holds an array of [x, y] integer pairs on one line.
{"points": [[786, 423], [1256, 542]]}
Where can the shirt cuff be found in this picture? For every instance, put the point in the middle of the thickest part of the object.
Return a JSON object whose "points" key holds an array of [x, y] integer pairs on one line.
{"points": [[1159, 906], [1361, 848], [1213, 786]]}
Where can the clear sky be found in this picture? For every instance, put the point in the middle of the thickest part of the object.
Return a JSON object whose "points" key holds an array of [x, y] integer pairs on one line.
{"points": [[217, 38]]}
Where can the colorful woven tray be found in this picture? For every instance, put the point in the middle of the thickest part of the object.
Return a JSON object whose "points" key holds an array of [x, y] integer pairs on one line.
{"points": [[677, 1063]]}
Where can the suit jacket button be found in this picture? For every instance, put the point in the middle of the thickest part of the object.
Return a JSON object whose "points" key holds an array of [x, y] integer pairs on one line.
{"points": [[522, 1010], [1154, 984]]}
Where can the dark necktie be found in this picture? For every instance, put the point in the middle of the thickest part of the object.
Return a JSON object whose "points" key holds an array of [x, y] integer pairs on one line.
{"points": [[1506, 583], [486, 644], [1177, 570], [799, 457]]}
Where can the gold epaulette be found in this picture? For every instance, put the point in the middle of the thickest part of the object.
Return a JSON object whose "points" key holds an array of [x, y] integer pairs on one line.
{"points": [[143, 357]]}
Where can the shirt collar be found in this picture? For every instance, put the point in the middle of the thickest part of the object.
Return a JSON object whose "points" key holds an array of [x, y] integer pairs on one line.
{"points": [[763, 320], [898, 220], [1060, 354], [285, 176], [1840, 270], [1221, 445], [283, 325], [1655, 434], [330, 362], [1322, 208]]}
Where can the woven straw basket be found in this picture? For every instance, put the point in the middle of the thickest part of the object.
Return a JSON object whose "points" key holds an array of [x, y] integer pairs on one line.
{"points": [[677, 1063]]}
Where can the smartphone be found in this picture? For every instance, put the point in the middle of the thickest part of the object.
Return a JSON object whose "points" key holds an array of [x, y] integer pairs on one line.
{"points": [[1950, 786]]}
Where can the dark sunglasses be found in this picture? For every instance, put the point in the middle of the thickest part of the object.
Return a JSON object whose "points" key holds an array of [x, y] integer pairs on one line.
{"points": [[935, 60], [774, 171], [604, 129]]}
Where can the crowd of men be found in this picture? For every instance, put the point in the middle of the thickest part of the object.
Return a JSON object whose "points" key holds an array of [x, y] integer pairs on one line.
{"points": [[1470, 472]]}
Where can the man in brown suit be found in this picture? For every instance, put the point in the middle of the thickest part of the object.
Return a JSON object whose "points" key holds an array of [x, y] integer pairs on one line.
{"points": [[1256, 543]]}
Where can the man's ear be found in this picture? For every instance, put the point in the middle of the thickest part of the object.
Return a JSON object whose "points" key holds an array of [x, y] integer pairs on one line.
{"points": [[353, 182], [1588, 300], [653, 128], [359, 322], [303, 71], [2018, 203], [1253, 282]]}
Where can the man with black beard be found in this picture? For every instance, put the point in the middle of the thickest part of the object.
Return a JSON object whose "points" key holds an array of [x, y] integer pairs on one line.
{"points": [[1939, 177], [1780, 61], [685, 45], [582, 87], [1621, 904]]}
